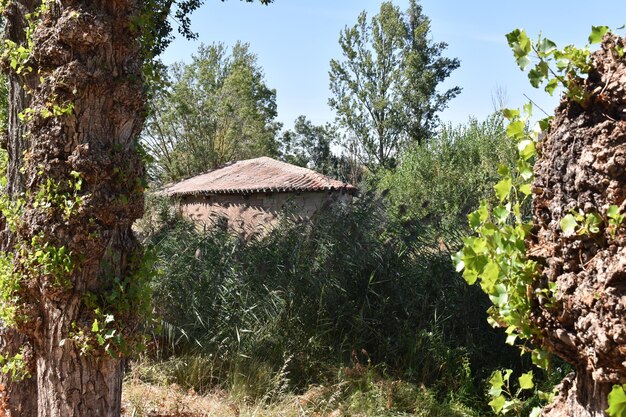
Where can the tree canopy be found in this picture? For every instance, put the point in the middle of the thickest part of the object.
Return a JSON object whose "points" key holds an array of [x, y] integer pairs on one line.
{"points": [[385, 88], [213, 110]]}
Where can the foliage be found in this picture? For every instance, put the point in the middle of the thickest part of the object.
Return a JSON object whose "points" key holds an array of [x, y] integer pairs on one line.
{"points": [[617, 401], [497, 253], [154, 23], [214, 110], [440, 182], [342, 289], [385, 89], [556, 67], [509, 401], [309, 145]]}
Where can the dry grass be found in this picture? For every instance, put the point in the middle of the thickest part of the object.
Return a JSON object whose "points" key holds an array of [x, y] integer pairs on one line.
{"points": [[141, 399]]}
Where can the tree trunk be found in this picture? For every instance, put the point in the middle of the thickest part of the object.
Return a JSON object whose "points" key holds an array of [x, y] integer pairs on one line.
{"points": [[582, 168], [73, 151], [579, 396]]}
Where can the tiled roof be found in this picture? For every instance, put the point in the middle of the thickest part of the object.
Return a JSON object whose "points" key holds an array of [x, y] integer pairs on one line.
{"points": [[256, 176]]}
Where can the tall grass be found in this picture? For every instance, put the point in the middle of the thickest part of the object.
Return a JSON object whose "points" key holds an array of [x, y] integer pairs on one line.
{"points": [[341, 290]]}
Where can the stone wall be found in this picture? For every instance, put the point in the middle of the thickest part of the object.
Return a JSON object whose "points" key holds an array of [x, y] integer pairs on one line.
{"points": [[254, 213]]}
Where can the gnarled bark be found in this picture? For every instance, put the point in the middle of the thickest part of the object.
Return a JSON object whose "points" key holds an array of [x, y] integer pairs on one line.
{"points": [[583, 167], [84, 54]]}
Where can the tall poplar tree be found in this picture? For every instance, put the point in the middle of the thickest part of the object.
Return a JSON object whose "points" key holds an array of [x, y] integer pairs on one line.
{"points": [[385, 88]]}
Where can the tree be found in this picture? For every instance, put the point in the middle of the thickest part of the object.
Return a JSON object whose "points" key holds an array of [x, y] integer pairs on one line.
{"points": [[71, 272], [214, 110], [557, 282], [309, 146], [385, 89]]}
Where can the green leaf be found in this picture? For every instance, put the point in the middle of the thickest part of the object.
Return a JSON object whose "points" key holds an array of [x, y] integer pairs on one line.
{"points": [[497, 403], [501, 213], [503, 170], [569, 225], [617, 401], [526, 189], [597, 32], [526, 149], [536, 76], [503, 188], [500, 297], [551, 86], [519, 42], [526, 380], [525, 170], [474, 219], [593, 221], [540, 358], [544, 123], [457, 259], [515, 129], [496, 379], [613, 212], [510, 113], [535, 412], [94, 326], [490, 275], [523, 62], [510, 339], [546, 47]]}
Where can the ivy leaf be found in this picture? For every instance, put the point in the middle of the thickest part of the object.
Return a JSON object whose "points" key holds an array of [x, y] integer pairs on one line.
{"points": [[501, 297], [503, 170], [551, 86], [613, 212], [523, 62], [497, 404], [526, 149], [510, 113], [525, 188], [503, 188], [597, 32], [546, 47], [501, 213], [526, 380], [490, 275], [520, 44], [540, 358], [569, 225], [617, 401], [515, 129], [525, 170], [593, 221]]}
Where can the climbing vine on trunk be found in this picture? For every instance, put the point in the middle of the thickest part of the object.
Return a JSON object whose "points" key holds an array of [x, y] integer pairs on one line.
{"points": [[557, 283], [72, 276]]}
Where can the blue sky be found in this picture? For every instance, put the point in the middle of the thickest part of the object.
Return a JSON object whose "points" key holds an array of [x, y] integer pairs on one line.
{"points": [[295, 40]]}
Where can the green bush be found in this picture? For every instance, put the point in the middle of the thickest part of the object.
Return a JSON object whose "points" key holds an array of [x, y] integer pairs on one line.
{"points": [[440, 182]]}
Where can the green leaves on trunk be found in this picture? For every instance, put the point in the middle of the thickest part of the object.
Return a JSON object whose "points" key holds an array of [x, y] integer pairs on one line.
{"points": [[496, 256], [553, 67]]}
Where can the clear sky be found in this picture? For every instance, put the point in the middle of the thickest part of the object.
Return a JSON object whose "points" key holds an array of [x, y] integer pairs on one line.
{"points": [[295, 40]]}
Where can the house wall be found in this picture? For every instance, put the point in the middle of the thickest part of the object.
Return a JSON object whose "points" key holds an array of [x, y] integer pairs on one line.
{"points": [[247, 214]]}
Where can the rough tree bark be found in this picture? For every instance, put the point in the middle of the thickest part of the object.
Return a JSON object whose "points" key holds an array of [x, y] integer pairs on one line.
{"points": [[84, 53], [583, 167]]}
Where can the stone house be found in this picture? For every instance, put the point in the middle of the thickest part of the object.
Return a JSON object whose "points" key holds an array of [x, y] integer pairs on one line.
{"points": [[248, 196]]}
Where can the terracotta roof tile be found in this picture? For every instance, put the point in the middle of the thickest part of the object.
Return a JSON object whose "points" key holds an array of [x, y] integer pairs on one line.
{"points": [[254, 176]]}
